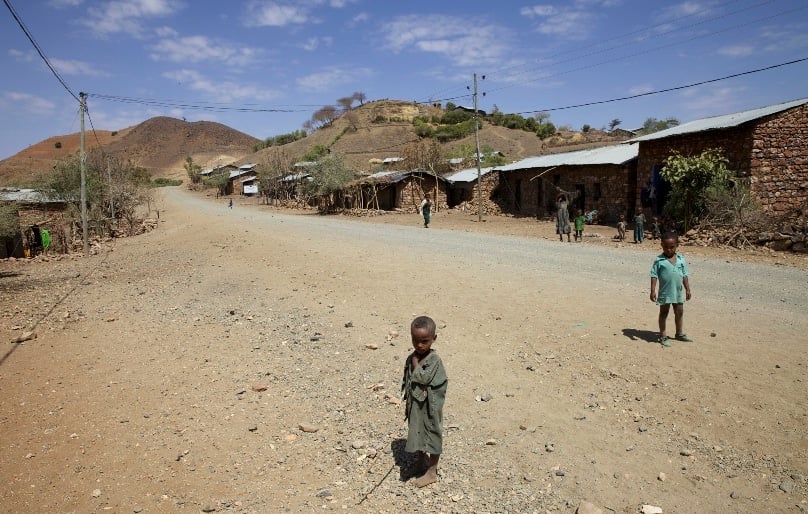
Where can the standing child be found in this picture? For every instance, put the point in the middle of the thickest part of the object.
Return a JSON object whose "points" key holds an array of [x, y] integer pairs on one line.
{"points": [[639, 227], [426, 210], [656, 229], [579, 225], [621, 228], [670, 271], [424, 387]]}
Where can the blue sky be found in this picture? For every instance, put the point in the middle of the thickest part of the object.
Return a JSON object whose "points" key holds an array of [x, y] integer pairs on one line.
{"points": [[297, 56]]}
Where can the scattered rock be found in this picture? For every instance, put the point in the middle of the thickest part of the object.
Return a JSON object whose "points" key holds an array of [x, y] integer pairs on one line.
{"points": [[372, 346], [308, 428], [491, 442], [651, 509], [252, 428], [26, 336], [587, 508], [733, 495], [137, 509], [787, 486], [96, 493], [324, 493], [209, 507], [349, 324], [549, 447], [259, 388], [358, 445], [560, 473], [686, 452]]}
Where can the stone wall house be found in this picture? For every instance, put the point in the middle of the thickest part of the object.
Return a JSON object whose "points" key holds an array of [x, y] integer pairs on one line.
{"points": [[767, 148], [602, 179], [463, 193], [33, 208], [398, 190]]}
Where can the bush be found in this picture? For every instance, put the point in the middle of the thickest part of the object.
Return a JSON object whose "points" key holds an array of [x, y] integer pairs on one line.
{"points": [[163, 182], [379, 119], [424, 129], [457, 131], [58, 144], [545, 130], [114, 133]]}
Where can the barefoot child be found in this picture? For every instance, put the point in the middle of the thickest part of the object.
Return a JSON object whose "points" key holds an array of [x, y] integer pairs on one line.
{"points": [[424, 387], [621, 228], [579, 225], [670, 271]]}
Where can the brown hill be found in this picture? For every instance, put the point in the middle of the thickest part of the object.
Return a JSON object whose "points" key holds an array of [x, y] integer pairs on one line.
{"points": [[158, 144], [364, 135], [384, 128]]}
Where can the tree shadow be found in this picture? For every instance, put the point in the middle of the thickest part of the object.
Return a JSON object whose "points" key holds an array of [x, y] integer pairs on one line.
{"points": [[641, 335]]}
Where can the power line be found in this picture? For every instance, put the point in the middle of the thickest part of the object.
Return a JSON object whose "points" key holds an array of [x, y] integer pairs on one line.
{"points": [[39, 50], [667, 90], [196, 105]]}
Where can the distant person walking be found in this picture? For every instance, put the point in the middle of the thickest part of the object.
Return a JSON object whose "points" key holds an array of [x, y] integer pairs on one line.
{"points": [[230, 203], [426, 210], [562, 218], [639, 227]]}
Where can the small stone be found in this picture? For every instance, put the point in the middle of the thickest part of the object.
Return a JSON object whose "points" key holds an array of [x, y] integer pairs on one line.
{"points": [[259, 388], [308, 428], [642, 428], [96, 493], [209, 507], [252, 428], [798, 477], [349, 324], [358, 445], [686, 452], [587, 508], [491, 442], [662, 477], [26, 336], [560, 473], [712, 334], [372, 346], [733, 495], [549, 447], [315, 337], [787, 486], [137, 509], [522, 427], [324, 493], [456, 497], [651, 509]]}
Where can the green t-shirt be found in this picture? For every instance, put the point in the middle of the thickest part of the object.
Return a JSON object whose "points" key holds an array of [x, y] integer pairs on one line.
{"points": [[579, 222]]}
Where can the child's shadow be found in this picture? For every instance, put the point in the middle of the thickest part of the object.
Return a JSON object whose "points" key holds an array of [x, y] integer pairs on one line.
{"points": [[402, 459], [643, 335]]}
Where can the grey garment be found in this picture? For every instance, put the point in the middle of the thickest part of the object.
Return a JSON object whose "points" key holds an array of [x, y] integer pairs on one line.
{"points": [[425, 393], [562, 218]]}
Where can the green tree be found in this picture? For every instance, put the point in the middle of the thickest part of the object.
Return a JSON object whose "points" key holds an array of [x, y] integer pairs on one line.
{"points": [[654, 125], [694, 180], [193, 170], [328, 177], [545, 130]]}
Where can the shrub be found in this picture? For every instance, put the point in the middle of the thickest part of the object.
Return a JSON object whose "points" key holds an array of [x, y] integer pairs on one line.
{"points": [[162, 182], [58, 144]]}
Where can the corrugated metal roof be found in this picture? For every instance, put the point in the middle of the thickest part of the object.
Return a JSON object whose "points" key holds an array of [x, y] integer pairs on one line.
{"points": [[248, 166], [25, 195], [389, 160], [721, 122], [467, 175], [616, 154]]}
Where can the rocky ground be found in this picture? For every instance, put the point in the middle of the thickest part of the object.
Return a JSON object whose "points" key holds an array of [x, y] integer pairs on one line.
{"points": [[249, 360]]}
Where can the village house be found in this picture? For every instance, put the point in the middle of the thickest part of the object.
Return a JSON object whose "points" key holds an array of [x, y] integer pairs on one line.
{"points": [[33, 208], [391, 190], [767, 149], [602, 179], [462, 191]]}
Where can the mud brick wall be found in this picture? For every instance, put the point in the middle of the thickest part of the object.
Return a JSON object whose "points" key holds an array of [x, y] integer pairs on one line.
{"points": [[463, 195], [771, 153], [608, 188], [410, 192]]}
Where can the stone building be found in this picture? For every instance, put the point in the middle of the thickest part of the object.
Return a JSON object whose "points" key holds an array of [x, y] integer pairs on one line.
{"points": [[602, 179], [31, 207], [392, 190], [463, 193], [767, 148]]}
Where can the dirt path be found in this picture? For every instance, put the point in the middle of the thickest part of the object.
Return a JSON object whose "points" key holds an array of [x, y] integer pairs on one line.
{"points": [[138, 393]]}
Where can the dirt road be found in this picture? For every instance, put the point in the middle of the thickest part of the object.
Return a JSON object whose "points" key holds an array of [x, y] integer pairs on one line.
{"points": [[172, 372]]}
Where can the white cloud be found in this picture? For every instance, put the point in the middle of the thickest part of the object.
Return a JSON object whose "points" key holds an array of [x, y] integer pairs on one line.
{"points": [[275, 14], [331, 77], [20, 56], [640, 89], [126, 15], [538, 10], [26, 102], [685, 9], [65, 3], [709, 100], [313, 43], [73, 67], [446, 35], [737, 50], [222, 90], [201, 48]]}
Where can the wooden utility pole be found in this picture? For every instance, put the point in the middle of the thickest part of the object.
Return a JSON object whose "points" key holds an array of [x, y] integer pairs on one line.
{"points": [[477, 141], [83, 168]]}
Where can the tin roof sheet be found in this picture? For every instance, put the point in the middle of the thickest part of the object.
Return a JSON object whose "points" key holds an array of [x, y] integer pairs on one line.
{"points": [[467, 175], [616, 154], [721, 122]]}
